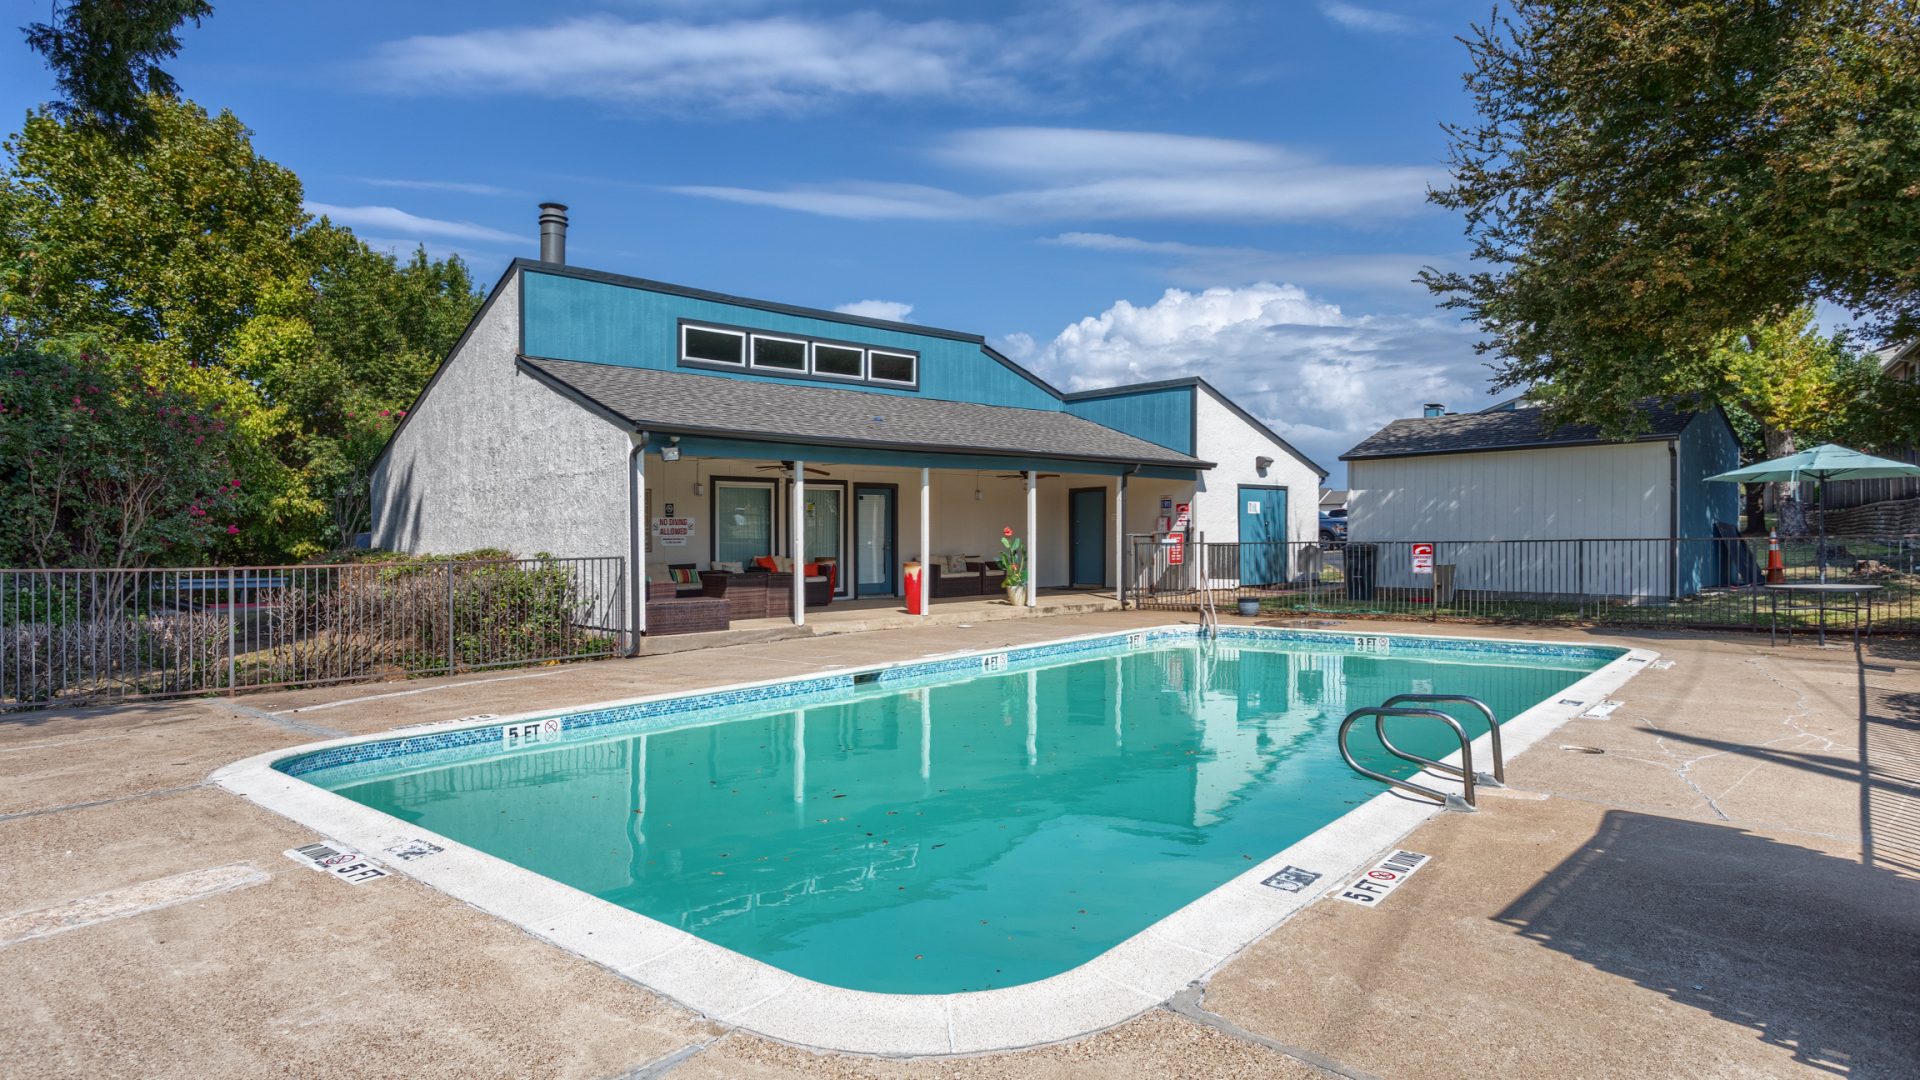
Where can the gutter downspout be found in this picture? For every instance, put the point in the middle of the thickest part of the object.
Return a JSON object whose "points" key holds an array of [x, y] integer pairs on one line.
{"points": [[636, 548]]}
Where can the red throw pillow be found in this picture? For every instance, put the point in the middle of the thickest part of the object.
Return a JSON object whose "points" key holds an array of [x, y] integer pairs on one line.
{"points": [[766, 561]]}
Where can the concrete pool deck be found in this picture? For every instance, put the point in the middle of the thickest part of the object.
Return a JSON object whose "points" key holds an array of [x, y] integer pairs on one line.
{"points": [[1732, 889]]}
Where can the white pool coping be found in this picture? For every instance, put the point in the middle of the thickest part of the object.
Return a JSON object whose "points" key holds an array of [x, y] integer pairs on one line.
{"points": [[737, 990]]}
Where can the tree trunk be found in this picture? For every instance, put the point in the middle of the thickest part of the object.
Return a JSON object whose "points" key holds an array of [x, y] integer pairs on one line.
{"points": [[1792, 519], [1756, 495]]}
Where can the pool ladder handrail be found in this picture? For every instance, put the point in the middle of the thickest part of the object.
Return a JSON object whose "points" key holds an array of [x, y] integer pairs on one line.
{"points": [[1498, 778], [1466, 803]]}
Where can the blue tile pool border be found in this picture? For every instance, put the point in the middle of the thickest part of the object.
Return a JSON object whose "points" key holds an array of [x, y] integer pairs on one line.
{"points": [[379, 755]]}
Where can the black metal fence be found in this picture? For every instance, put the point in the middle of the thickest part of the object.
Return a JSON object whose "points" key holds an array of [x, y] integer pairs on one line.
{"points": [[1707, 584], [72, 636]]}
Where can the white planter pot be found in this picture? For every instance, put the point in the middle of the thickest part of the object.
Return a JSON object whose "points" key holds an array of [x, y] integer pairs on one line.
{"points": [[1017, 595]]}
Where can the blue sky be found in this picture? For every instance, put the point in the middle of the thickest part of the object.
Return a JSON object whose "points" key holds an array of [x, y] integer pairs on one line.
{"points": [[1110, 190]]}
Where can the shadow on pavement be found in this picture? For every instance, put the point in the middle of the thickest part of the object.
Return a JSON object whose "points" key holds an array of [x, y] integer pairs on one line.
{"points": [[1817, 954]]}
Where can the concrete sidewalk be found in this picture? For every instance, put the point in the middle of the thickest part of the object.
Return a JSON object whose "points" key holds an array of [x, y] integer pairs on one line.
{"points": [[1731, 889]]}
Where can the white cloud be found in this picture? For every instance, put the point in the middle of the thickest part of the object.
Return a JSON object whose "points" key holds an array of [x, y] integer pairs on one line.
{"points": [[1118, 175], [393, 220], [861, 200], [1354, 17], [1207, 264], [1322, 378], [1095, 152], [890, 310], [696, 57], [457, 187]]}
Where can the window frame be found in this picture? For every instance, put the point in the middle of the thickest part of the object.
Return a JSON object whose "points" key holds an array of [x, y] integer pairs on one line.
{"points": [[813, 361], [753, 356], [746, 355], [910, 357], [747, 334]]}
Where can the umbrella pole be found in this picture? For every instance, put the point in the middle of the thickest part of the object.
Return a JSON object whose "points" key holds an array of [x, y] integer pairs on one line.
{"points": [[1821, 552]]}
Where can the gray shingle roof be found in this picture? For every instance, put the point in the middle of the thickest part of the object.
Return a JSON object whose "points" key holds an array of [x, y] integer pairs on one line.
{"points": [[1519, 429], [683, 402]]}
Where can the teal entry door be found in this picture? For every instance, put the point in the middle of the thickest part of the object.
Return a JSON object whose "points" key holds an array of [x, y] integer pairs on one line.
{"points": [[1263, 535], [1087, 535], [874, 535]]}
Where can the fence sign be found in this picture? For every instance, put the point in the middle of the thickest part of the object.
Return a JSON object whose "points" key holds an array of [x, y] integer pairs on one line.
{"points": [[1176, 549], [1422, 558]]}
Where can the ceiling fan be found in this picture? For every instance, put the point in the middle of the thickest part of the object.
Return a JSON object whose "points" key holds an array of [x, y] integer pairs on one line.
{"points": [[1037, 476], [811, 471]]}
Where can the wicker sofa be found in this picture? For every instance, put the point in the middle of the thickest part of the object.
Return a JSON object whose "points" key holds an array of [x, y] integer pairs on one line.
{"points": [[668, 612], [981, 578]]}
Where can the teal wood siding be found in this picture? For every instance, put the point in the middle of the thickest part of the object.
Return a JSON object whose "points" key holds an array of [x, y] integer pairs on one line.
{"points": [[570, 318], [1162, 416], [1706, 447]]}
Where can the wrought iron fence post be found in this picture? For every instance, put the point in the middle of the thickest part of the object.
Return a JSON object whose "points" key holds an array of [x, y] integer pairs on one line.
{"points": [[1580, 577], [450, 655], [233, 632]]}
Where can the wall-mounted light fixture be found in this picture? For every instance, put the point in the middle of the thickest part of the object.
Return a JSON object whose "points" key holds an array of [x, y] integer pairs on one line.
{"points": [[671, 451], [1262, 464]]}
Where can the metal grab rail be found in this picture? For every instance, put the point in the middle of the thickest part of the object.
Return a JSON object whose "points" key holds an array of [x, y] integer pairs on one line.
{"points": [[1380, 712], [1499, 777]]}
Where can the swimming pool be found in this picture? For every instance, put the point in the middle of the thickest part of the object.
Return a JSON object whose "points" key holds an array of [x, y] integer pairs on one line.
{"points": [[974, 832]]}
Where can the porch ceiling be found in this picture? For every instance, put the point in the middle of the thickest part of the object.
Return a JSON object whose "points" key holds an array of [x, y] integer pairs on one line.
{"points": [[684, 403]]}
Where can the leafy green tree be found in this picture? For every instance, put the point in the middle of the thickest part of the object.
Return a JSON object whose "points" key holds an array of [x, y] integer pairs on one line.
{"points": [[193, 260], [1645, 178], [106, 58], [101, 466]]}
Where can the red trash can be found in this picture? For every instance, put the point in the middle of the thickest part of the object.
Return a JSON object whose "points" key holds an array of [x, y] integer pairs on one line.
{"points": [[913, 588]]}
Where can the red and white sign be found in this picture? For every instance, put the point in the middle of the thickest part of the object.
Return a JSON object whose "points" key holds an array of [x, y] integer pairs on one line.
{"points": [[1176, 549], [1423, 558], [673, 531], [1182, 516]]}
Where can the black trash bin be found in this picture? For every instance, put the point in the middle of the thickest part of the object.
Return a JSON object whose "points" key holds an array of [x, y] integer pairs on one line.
{"points": [[1362, 560]]}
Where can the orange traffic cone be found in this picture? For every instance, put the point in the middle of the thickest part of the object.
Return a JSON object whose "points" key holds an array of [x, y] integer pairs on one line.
{"points": [[1776, 571]]}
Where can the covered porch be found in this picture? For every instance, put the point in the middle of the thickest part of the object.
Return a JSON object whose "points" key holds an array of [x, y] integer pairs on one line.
{"points": [[747, 536]]}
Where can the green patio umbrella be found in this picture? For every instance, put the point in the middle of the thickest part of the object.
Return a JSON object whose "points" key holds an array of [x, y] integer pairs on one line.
{"points": [[1822, 463]]}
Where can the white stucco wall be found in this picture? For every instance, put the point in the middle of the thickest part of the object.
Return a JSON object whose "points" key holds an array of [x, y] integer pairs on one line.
{"points": [[491, 458]]}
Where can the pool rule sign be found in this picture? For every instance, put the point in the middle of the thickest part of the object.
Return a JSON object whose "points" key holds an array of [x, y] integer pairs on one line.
{"points": [[1422, 557], [1382, 878]]}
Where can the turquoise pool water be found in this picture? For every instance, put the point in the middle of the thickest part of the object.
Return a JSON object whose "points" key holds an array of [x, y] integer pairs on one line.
{"points": [[968, 834]]}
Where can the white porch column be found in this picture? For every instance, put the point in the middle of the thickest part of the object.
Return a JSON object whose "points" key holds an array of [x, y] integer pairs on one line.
{"points": [[1120, 540], [1033, 548], [926, 541], [636, 541], [799, 544]]}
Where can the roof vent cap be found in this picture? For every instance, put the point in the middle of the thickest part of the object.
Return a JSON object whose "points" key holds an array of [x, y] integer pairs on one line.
{"points": [[553, 233], [1432, 409]]}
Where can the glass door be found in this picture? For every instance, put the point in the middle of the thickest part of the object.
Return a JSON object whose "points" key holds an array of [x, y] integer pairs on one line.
{"points": [[875, 566], [824, 524], [742, 521]]}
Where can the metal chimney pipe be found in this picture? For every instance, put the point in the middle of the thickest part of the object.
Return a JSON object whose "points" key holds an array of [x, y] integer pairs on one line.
{"points": [[553, 232]]}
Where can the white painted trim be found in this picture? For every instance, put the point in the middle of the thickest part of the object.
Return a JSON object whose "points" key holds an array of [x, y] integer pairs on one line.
{"points": [[813, 361], [806, 354], [907, 356], [1127, 980], [745, 352]]}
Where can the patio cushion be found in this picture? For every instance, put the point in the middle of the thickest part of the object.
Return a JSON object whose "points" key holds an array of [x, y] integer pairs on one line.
{"points": [[954, 564], [686, 575]]}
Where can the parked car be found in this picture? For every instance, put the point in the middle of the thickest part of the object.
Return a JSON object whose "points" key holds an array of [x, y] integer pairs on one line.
{"points": [[1333, 525]]}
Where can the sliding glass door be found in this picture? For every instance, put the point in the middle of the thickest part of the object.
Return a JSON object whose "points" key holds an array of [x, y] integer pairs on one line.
{"points": [[825, 522], [743, 521]]}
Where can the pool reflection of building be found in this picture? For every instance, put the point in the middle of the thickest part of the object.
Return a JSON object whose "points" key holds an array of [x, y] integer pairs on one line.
{"points": [[1174, 737]]}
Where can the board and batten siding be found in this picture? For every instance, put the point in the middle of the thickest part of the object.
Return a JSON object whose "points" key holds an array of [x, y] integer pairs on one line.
{"points": [[1611, 491], [1235, 447]]}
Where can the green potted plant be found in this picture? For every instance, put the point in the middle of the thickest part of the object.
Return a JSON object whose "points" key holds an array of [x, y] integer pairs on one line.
{"points": [[1013, 563]]}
